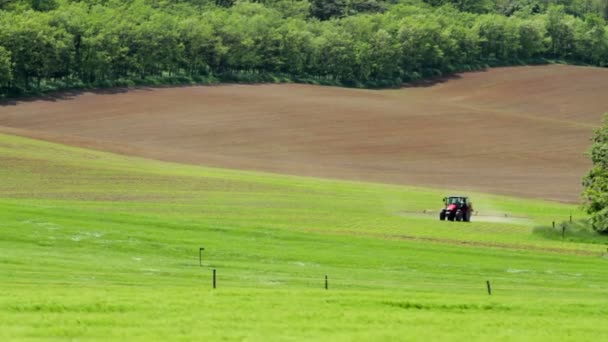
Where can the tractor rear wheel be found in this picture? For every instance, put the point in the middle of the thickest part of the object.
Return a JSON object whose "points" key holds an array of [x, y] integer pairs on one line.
{"points": [[459, 216]]}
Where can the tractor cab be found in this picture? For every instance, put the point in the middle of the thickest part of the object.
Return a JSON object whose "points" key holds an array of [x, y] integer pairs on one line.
{"points": [[457, 201], [457, 208]]}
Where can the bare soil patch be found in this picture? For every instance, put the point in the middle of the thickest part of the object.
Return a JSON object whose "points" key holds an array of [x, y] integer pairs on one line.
{"points": [[517, 131]]}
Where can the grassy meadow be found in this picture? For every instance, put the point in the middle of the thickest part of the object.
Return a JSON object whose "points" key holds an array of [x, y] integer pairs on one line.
{"points": [[97, 246]]}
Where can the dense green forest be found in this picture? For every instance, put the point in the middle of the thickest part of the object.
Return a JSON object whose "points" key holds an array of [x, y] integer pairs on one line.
{"points": [[63, 44]]}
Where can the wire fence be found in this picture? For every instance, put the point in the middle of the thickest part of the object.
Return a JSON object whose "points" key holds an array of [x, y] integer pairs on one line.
{"points": [[226, 278]]}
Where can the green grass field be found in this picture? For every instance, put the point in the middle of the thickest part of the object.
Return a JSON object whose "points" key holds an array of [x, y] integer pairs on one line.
{"points": [[96, 246]]}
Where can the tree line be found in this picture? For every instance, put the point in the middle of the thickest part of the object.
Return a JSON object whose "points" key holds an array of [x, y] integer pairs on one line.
{"points": [[63, 44]]}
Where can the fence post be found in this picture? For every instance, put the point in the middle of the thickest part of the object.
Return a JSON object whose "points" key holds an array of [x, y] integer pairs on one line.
{"points": [[214, 276], [326, 283], [489, 287]]}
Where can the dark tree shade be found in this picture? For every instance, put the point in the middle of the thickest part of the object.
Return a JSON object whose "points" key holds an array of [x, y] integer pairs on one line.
{"points": [[44, 5], [327, 9], [224, 3]]}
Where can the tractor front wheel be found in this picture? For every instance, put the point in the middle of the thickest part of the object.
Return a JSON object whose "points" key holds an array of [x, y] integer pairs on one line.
{"points": [[450, 216], [442, 215]]}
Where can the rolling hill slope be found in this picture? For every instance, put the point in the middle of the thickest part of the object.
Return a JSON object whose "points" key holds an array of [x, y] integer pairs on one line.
{"points": [[516, 131], [97, 246]]}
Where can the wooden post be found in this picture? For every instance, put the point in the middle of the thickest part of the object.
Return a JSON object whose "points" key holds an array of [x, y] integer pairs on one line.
{"points": [[326, 283], [489, 287], [570, 218], [563, 230], [553, 224], [214, 282]]}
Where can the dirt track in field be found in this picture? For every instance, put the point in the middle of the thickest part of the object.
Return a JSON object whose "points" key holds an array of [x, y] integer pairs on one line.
{"points": [[468, 243], [516, 131]]}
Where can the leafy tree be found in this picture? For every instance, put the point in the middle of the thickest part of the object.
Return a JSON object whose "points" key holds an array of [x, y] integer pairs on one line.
{"points": [[384, 53], [297, 48], [15, 5], [298, 9], [474, 6], [72, 19], [461, 48], [326, 9], [366, 42], [591, 44], [6, 73], [353, 7], [335, 55], [44, 5], [421, 48], [595, 184], [224, 3], [560, 31], [499, 39], [197, 42], [531, 34], [247, 30], [38, 50]]}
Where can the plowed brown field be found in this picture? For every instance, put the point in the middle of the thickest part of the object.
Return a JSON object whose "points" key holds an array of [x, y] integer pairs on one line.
{"points": [[517, 131]]}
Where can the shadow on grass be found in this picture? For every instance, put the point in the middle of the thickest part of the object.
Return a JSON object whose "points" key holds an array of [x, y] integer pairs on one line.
{"points": [[577, 231]]}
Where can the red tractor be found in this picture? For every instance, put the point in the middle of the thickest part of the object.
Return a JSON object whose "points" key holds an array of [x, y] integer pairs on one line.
{"points": [[457, 208]]}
